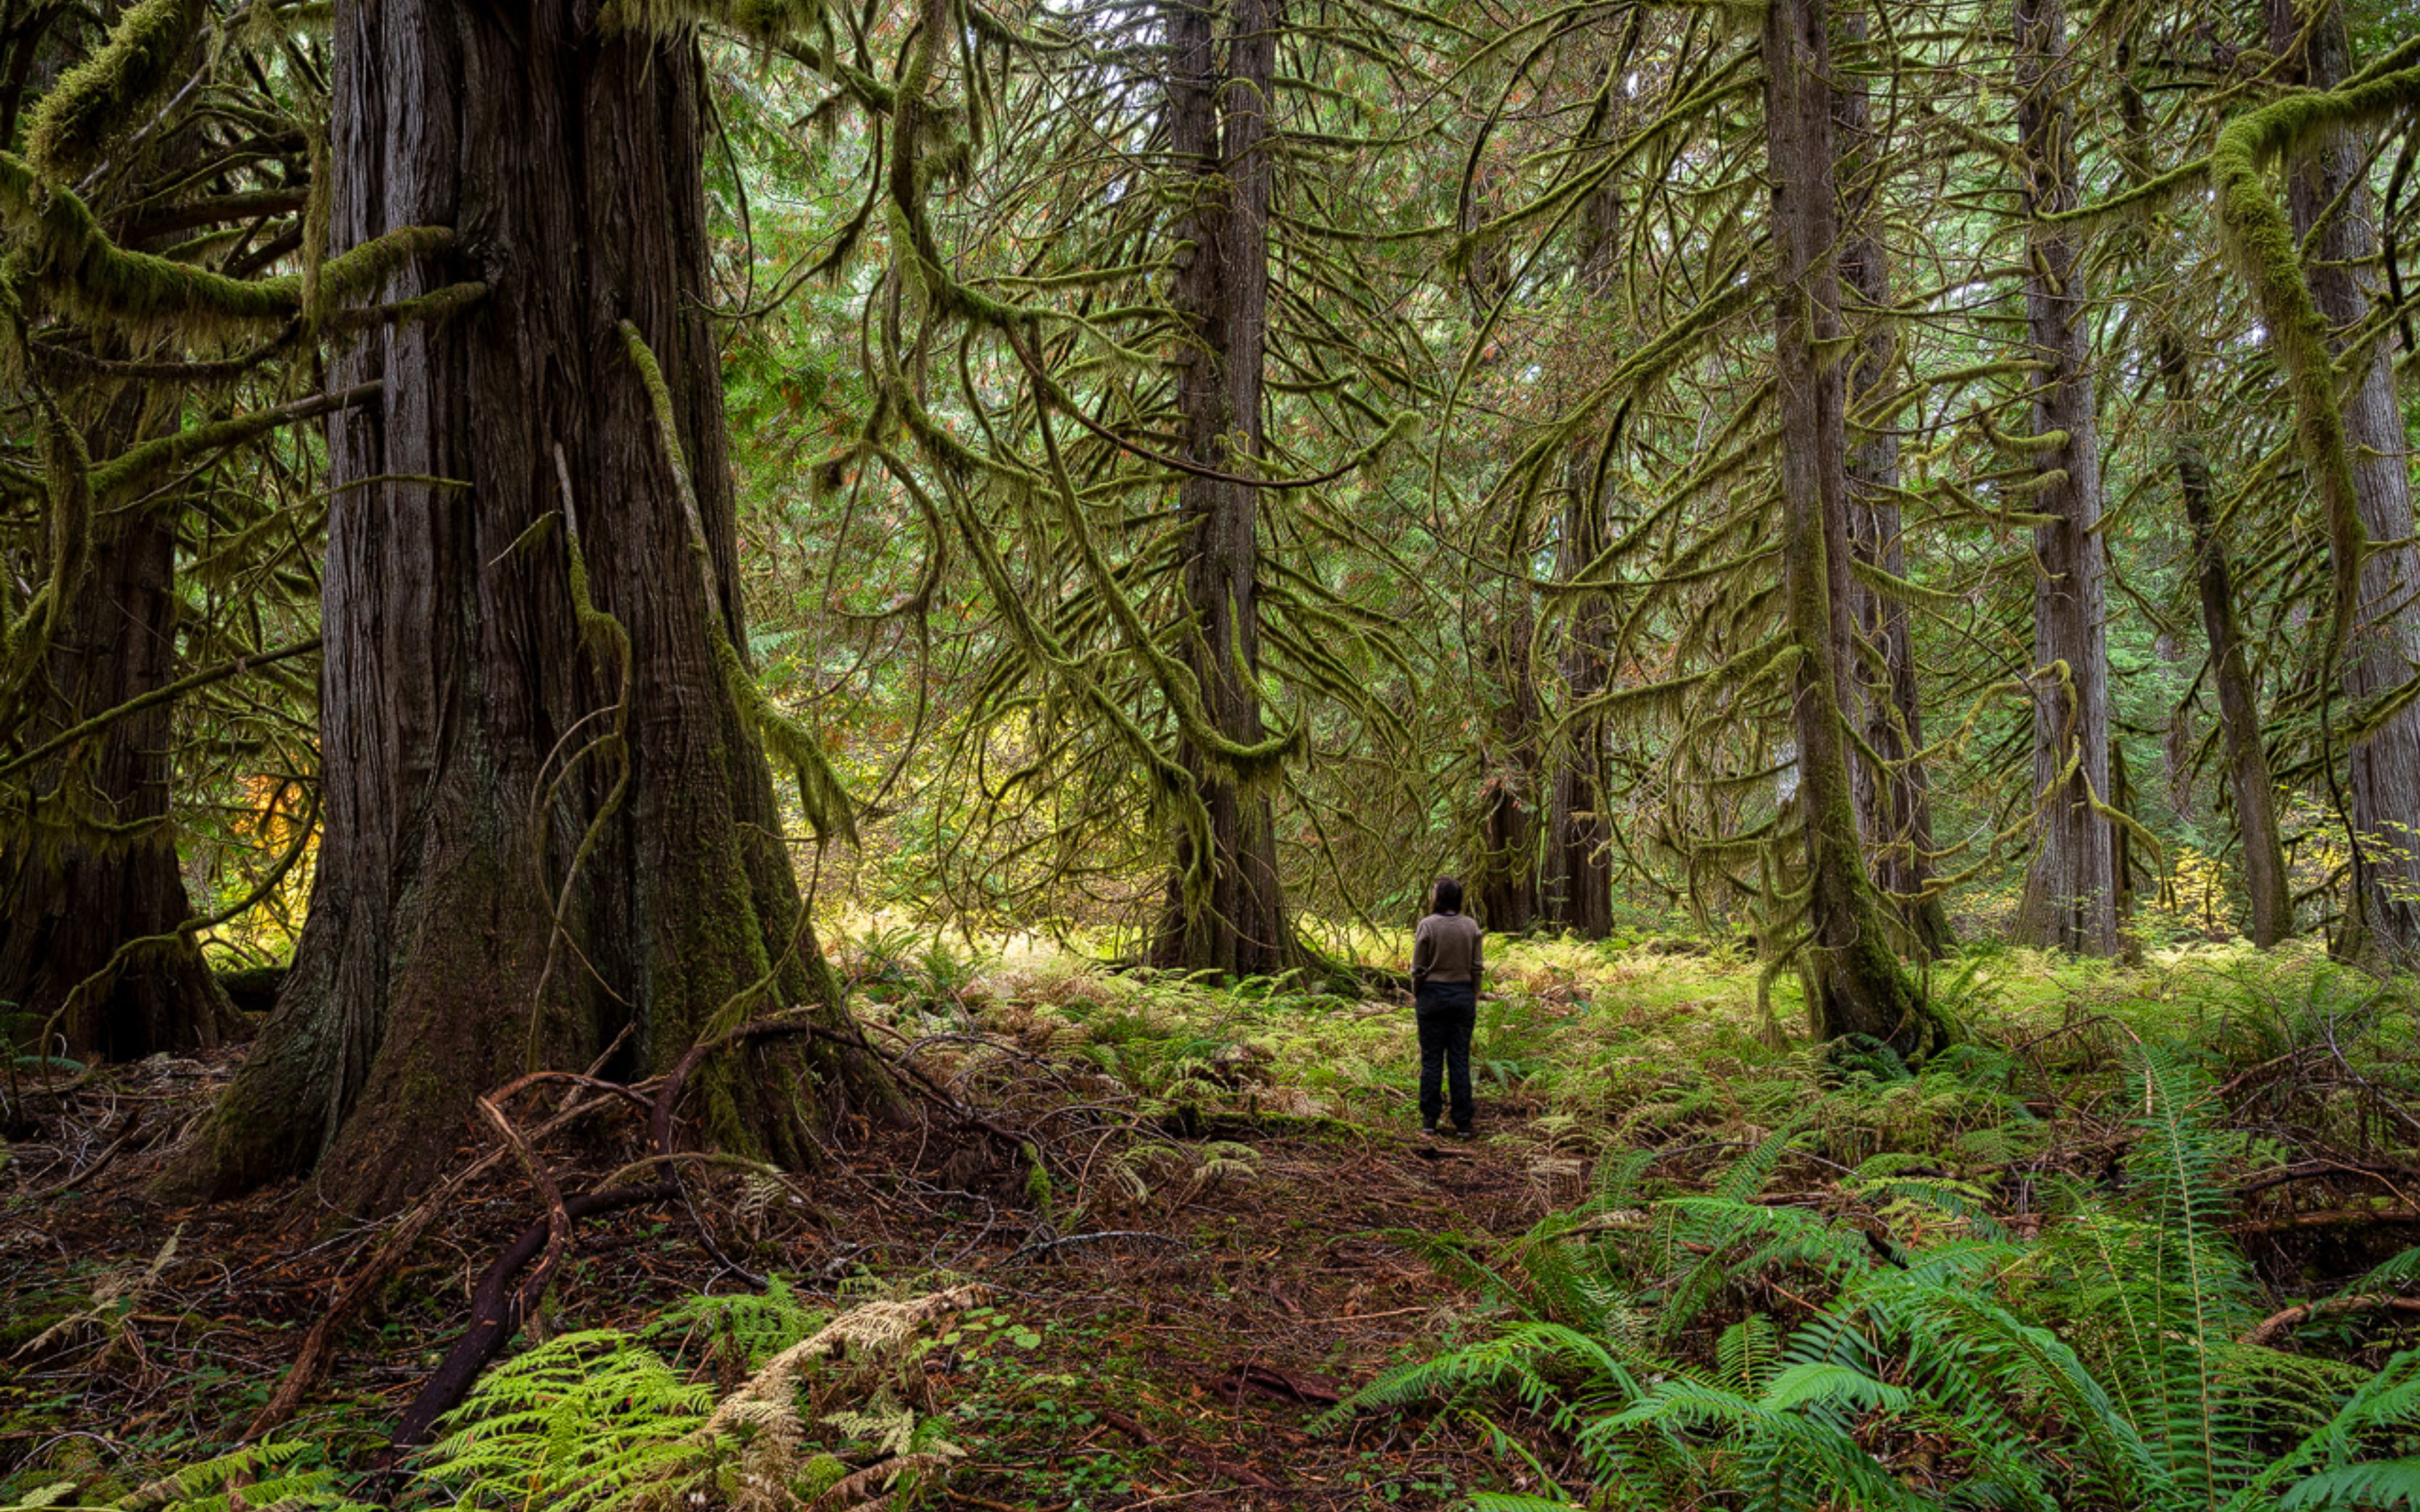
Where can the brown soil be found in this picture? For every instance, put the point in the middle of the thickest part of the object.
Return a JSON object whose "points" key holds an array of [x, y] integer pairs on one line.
{"points": [[1182, 1363]]}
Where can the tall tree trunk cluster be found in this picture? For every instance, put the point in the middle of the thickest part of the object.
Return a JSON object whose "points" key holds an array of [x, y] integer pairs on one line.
{"points": [[1576, 891], [1894, 805], [1547, 856], [2251, 789], [92, 904]]}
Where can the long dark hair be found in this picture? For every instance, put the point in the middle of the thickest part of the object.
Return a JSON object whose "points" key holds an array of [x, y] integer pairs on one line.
{"points": [[1448, 896]]}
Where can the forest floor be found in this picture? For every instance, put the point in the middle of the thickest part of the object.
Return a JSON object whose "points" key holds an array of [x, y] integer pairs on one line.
{"points": [[1178, 1363], [1236, 1229]]}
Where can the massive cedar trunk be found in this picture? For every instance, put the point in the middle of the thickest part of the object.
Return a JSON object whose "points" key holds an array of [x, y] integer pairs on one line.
{"points": [[2248, 782], [1856, 980], [1578, 879], [2332, 216], [2070, 899], [1225, 911], [95, 869], [485, 753], [1894, 802]]}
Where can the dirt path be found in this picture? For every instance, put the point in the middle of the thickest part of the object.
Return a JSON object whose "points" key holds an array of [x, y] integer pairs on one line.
{"points": [[1192, 1376]]}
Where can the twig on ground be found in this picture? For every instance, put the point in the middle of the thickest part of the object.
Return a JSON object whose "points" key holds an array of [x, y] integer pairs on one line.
{"points": [[1041, 1245], [131, 1126]]}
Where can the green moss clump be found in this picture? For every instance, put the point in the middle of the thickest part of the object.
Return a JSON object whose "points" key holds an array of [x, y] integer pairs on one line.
{"points": [[116, 90]]}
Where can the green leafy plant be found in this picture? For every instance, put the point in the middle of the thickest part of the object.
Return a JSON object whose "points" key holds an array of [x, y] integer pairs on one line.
{"points": [[2096, 1364], [290, 1476], [598, 1420]]}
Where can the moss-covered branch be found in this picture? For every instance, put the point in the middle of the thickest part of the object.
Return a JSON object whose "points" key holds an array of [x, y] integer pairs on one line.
{"points": [[2261, 239], [70, 258], [99, 99]]}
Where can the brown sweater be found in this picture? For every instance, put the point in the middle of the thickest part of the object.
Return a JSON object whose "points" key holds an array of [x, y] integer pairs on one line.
{"points": [[1446, 948]]}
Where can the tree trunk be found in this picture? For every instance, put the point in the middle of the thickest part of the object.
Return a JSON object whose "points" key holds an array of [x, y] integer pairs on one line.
{"points": [[1578, 882], [1225, 911], [2071, 900], [485, 752], [2248, 783], [1894, 802], [2122, 859], [2177, 738], [97, 868], [2249, 786], [1857, 982], [1503, 885], [2382, 776]]}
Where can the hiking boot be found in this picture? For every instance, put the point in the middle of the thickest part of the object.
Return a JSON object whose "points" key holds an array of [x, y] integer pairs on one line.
{"points": [[1460, 1133], [1429, 1130]]}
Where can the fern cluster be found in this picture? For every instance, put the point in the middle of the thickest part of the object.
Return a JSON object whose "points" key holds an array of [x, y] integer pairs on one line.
{"points": [[600, 1420], [292, 1477], [607, 1421], [1935, 1358]]}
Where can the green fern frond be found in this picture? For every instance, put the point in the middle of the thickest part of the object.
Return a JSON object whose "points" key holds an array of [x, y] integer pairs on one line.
{"points": [[2399, 1270], [2377, 1483], [1747, 1351], [1747, 1175]]}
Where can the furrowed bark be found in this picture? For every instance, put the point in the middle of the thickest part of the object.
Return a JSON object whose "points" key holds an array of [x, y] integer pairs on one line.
{"points": [[92, 868], [1894, 801], [2070, 898], [97, 867], [493, 744], [1858, 984], [2333, 218], [1225, 911]]}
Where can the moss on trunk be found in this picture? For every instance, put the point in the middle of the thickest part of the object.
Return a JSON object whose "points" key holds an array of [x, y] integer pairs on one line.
{"points": [[543, 836], [1858, 984]]}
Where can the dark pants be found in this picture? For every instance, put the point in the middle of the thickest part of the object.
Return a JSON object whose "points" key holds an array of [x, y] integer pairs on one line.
{"points": [[1447, 1011]]}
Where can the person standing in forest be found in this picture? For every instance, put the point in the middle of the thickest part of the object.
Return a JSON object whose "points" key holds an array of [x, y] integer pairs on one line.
{"points": [[1447, 958]]}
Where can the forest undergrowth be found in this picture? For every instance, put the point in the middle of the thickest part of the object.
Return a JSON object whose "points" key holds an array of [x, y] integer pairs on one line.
{"points": [[2139, 1240]]}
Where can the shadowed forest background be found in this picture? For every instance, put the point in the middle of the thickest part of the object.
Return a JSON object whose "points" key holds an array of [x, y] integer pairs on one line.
{"points": [[720, 721]]}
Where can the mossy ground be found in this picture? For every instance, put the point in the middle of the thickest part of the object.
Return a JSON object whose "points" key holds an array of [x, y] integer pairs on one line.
{"points": [[1252, 1156]]}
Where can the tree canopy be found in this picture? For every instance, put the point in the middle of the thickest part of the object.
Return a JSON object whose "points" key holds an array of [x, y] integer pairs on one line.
{"points": [[1850, 475]]}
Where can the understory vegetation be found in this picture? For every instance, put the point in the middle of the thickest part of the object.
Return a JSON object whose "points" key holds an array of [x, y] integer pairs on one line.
{"points": [[2139, 1240]]}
